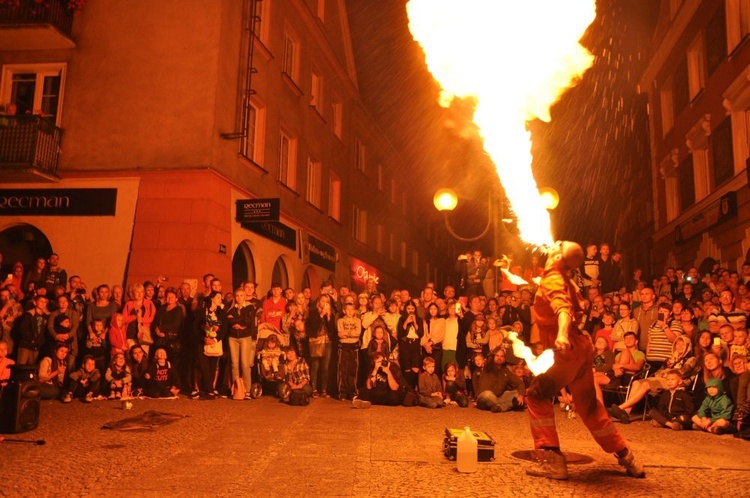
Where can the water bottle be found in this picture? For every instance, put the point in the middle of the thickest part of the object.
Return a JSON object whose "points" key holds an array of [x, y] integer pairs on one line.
{"points": [[467, 452]]}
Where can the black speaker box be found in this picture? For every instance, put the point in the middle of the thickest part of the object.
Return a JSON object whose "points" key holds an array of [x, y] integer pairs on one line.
{"points": [[20, 401]]}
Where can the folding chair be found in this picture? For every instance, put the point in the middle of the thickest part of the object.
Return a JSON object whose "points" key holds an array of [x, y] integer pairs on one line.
{"points": [[623, 391]]}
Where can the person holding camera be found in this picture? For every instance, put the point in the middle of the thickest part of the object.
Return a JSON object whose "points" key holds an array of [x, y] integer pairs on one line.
{"points": [[385, 385]]}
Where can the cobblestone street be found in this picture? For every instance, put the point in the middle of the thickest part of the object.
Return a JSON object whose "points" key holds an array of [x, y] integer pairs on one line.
{"points": [[261, 447]]}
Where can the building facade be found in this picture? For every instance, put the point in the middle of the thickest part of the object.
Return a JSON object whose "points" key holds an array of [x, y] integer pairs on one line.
{"points": [[698, 85], [136, 134]]}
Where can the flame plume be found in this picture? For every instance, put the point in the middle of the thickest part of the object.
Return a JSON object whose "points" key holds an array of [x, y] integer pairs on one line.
{"points": [[515, 58]]}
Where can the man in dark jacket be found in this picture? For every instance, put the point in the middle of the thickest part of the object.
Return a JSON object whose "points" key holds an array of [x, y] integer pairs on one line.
{"points": [[498, 389], [31, 330]]}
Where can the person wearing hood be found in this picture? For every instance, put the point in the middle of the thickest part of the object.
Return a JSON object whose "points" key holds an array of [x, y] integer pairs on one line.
{"points": [[715, 412], [681, 360]]}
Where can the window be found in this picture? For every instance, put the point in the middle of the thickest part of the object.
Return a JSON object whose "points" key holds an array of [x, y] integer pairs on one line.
{"points": [[338, 113], [394, 195], [252, 142], [316, 91], [359, 155], [667, 108], [681, 87], [380, 238], [288, 161], [380, 177], [415, 262], [34, 89], [359, 224], [701, 174], [290, 63], [403, 203], [721, 150], [392, 247], [403, 254], [314, 178], [334, 196], [687, 183], [260, 22], [696, 62], [716, 40], [672, 197], [280, 275], [738, 22]]}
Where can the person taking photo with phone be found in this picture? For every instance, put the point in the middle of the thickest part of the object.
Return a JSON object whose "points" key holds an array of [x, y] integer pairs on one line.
{"points": [[661, 336]]}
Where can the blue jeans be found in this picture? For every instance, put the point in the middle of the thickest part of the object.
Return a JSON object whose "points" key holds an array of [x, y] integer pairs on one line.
{"points": [[242, 353], [320, 364], [487, 399]]}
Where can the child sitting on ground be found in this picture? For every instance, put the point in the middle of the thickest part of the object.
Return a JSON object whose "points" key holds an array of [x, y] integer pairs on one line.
{"points": [[430, 387], [84, 382], [715, 411], [269, 358], [298, 379], [118, 377], [675, 405], [161, 379], [454, 386]]}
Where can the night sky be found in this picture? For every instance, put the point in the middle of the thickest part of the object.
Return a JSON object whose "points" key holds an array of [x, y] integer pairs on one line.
{"points": [[595, 151]]}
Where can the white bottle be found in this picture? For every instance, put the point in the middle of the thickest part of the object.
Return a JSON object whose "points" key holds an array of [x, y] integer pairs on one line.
{"points": [[466, 452]]}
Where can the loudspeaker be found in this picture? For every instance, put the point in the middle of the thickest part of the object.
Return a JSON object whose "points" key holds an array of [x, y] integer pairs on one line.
{"points": [[20, 401]]}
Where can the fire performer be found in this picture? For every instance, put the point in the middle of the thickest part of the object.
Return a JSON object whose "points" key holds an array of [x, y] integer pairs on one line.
{"points": [[559, 308]]}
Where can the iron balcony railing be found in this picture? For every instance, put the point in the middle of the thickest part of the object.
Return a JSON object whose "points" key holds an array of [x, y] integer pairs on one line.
{"points": [[30, 12], [29, 142]]}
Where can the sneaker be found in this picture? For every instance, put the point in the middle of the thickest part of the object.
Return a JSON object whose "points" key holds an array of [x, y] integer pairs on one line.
{"points": [[657, 424], [67, 398], [619, 414], [360, 403], [118, 395], [551, 465], [207, 396], [194, 395], [697, 427], [315, 394], [716, 430], [248, 397], [89, 398], [633, 468], [111, 396], [324, 395], [675, 426], [496, 409]]}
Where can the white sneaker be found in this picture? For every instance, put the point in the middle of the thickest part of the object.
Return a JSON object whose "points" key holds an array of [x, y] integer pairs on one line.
{"points": [[551, 464], [633, 468], [360, 403]]}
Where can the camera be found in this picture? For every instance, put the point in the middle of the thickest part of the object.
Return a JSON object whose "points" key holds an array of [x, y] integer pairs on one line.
{"points": [[384, 363], [80, 291], [661, 316]]}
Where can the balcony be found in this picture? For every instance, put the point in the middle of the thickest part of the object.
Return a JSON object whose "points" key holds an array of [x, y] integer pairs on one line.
{"points": [[29, 149], [36, 26]]}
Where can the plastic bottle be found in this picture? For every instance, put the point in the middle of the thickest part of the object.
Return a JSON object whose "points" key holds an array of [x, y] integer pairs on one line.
{"points": [[466, 452]]}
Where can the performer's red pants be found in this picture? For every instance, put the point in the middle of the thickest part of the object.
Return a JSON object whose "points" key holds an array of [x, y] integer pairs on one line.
{"points": [[573, 368]]}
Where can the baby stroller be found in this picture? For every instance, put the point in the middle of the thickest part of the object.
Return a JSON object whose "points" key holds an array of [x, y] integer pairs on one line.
{"points": [[270, 362]]}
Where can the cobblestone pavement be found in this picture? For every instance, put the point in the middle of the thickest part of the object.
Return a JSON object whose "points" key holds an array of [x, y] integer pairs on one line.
{"points": [[262, 447]]}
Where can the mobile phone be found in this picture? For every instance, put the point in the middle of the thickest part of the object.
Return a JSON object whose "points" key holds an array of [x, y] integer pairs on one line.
{"points": [[717, 341], [661, 316], [458, 307]]}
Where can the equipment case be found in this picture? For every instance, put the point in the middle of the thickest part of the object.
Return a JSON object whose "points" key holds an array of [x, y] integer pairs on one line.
{"points": [[485, 444]]}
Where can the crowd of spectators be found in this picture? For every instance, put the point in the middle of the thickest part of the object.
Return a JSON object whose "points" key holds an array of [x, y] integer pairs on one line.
{"points": [[681, 335]]}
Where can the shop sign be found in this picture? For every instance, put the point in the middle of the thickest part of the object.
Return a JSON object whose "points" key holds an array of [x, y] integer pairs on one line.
{"points": [[276, 231], [58, 202], [257, 210], [364, 272], [317, 252], [714, 214]]}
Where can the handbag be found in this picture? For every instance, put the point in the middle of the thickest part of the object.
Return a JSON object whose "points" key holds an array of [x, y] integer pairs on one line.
{"points": [[214, 349], [317, 346], [238, 389], [145, 336]]}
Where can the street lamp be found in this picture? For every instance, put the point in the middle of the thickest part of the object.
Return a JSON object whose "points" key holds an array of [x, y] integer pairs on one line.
{"points": [[446, 200], [550, 198]]}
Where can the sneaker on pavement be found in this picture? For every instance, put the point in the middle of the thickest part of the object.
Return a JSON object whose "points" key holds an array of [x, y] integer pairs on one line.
{"points": [[89, 398], [551, 465], [360, 403], [657, 424], [496, 409], [67, 398], [111, 395], [675, 426], [633, 468]]}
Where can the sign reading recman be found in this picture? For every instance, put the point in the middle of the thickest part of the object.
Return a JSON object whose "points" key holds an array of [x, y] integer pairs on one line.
{"points": [[58, 202], [258, 210]]}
